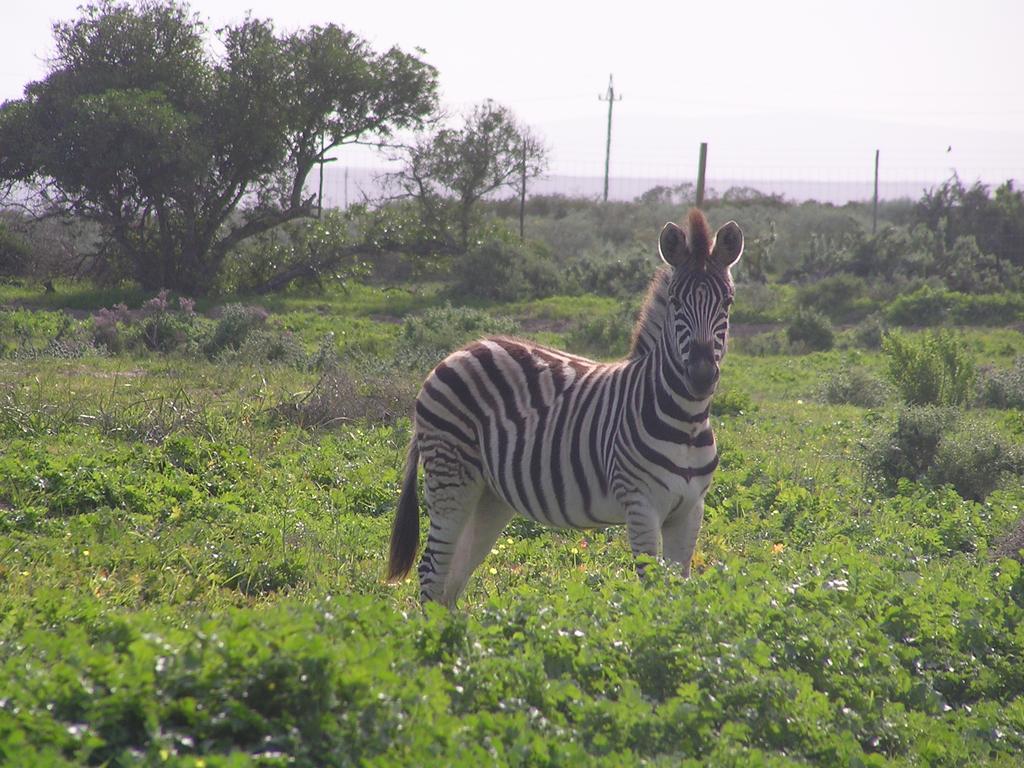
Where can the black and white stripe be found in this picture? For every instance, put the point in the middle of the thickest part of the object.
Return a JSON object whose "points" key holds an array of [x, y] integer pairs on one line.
{"points": [[504, 426]]}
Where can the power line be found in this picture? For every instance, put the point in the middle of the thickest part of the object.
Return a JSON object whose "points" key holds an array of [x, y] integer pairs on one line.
{"points": [[611, 99]]}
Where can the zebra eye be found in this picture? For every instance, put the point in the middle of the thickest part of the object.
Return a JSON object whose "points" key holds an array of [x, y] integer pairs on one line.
{"points": [[728, 301]]}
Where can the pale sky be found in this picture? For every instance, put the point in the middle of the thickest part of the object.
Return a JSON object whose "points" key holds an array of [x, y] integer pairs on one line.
{"points": [[777, 89]]}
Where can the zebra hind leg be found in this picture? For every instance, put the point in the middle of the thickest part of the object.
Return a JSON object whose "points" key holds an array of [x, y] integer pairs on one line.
{"points": [[482, 529], [452, 490]]}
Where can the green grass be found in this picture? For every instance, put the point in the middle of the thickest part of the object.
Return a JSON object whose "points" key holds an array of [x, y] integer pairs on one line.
{"points": [[188, 579]]}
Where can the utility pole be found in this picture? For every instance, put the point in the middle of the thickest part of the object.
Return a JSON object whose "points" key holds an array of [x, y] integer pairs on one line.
{"points": [[611, 98], [522, 197], [874, 207]]}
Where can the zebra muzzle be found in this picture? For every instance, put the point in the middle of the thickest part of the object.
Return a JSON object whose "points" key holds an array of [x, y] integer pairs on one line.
{"points": [[702, 371]]}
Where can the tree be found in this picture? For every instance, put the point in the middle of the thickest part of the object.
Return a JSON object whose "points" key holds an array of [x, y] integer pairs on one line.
{"points": [[179, 154], [490, 151]]}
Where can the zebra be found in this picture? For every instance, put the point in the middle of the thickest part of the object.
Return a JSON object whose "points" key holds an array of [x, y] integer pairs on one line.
{"points": [[504, 426]]}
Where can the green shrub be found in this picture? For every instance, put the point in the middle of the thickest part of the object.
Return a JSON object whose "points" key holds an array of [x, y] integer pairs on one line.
{"points": [[987, 309], [837, 297], [975, 460], [732, 402], [925, 306], [235, 324], [909, 449], [810, 330], [868, 334], [938, 446], [1003, 388], [612, 272], [605, 336], [447, 328], [761, 303], [933, 369], [929, 306], [761, 344], [855, 385], [503, 269]]}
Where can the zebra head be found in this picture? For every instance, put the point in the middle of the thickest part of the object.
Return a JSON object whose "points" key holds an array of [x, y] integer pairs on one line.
{"points": [[699, 295]]}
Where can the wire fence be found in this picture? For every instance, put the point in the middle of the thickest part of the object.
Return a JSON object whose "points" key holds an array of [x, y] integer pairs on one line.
{"points": [[346, 185]]}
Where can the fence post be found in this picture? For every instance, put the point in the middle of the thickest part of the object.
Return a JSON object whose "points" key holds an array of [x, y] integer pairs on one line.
{"points": [[874, 207], [701, 168]]}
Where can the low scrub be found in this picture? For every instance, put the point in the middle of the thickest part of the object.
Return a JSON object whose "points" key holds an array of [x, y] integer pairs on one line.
{"points": [[941, 446], [1001, 388], [932, 369], [855, 385], [810, 331]]}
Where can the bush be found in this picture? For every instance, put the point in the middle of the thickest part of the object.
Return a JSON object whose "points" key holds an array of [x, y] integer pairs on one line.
{"points": [[14, 252], [732, 402], [909, 450], [160, 325], [854, 385], [869, 332], [605, 336], [342, 397], [937, 446], [929, 306], [837, 297], [503, 269], [234, 326], [447, 328], [1003, 389], [934, 370], [760, 344], [810, 330], [761, 303], [925, 306], [613, 272], [975, 460]]}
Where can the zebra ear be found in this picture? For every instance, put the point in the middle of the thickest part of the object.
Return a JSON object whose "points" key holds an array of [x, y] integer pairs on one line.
{"points": [[728, 245], [672, 245]]}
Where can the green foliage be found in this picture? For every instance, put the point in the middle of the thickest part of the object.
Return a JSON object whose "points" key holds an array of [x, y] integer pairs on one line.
{"points": [[928, 306], [855, 385], [1003, 388], [732, 402], [939, 446], [298, 253], [909, 449], [839, 297], [445, 329], [933, 369], [870, 332], [612, 272], [605, 335], [14, 252], [236, 323], [810, 330], [488, 152], [501, 268], [190, 579], [137, 114]]}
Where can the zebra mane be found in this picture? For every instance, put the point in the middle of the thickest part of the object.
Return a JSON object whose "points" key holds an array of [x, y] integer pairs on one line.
{"points": [[652, 314]]}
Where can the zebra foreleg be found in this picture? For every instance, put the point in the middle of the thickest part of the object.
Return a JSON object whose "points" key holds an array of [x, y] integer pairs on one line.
{"points": [[482, 529], [680, 534], [644, 530]]}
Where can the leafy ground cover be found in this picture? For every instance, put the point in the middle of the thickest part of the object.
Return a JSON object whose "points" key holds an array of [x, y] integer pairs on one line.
{"points": [[192, 578]]}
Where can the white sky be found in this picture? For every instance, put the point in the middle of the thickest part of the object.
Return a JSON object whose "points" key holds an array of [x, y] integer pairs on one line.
{"points": [[778, 89]]}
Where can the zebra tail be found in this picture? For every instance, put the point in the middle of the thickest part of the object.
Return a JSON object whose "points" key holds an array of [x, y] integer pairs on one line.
{"points": [[405, 533]]}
